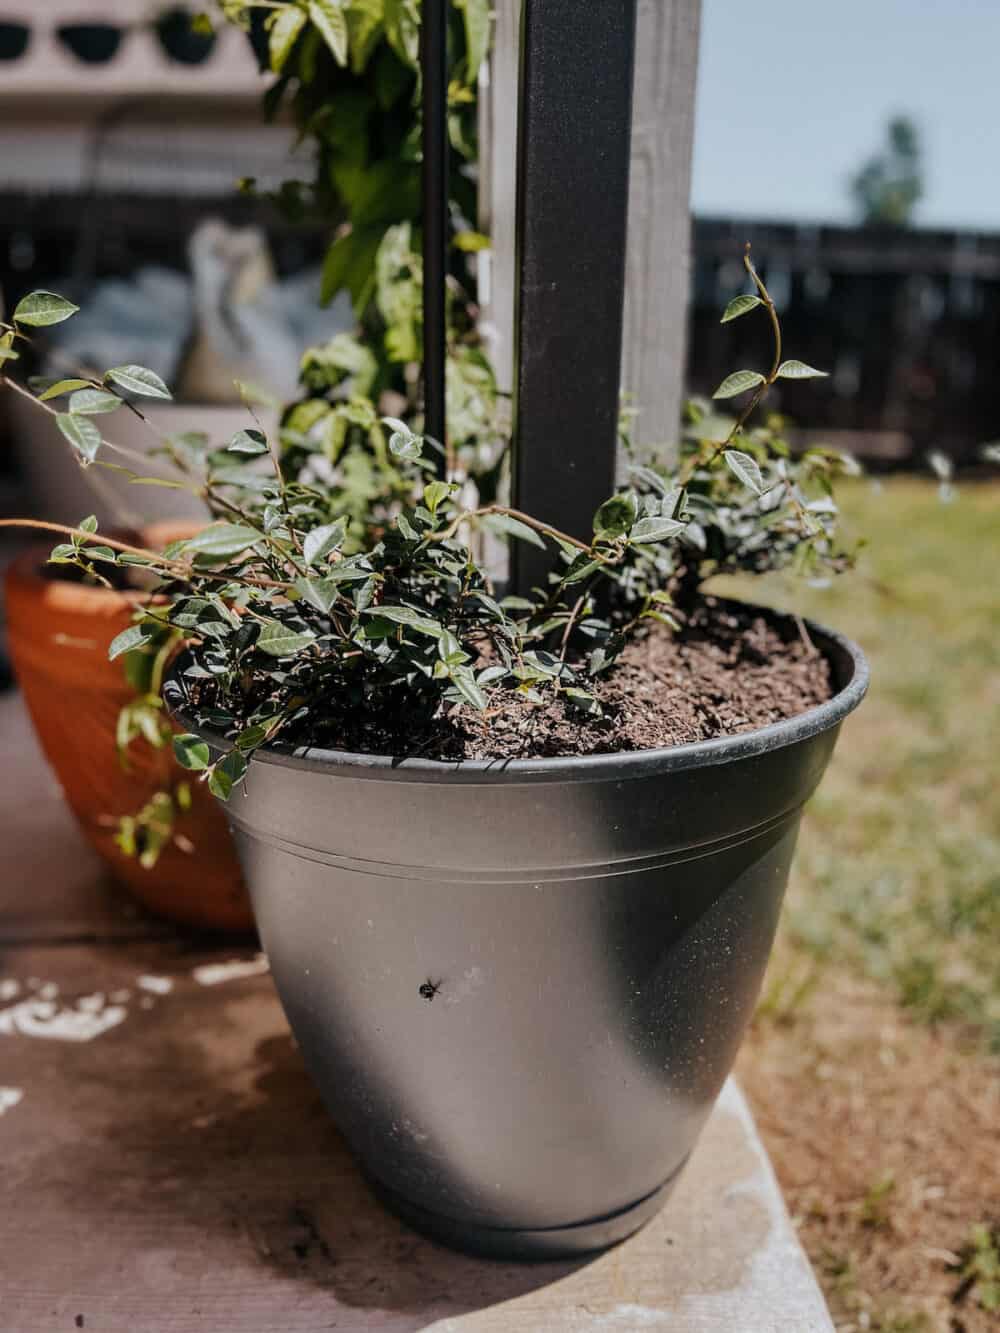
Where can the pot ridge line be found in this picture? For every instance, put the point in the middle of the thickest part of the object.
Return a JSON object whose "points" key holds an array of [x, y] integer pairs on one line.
{"points": [[625, 865]]}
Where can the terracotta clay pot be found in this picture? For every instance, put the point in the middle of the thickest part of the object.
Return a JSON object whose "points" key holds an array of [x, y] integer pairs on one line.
{"points": [[59, 634]]}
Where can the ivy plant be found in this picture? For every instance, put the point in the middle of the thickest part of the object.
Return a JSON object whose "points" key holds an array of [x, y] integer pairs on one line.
{"points": [[347, 75], [307, 623]]}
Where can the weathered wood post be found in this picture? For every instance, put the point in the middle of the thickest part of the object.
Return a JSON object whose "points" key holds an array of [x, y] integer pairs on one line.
{"points": [[659, 187], [434, 144]]}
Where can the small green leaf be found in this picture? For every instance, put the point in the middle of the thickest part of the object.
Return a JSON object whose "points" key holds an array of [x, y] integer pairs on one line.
{"points": [[649, 478], [60, 387], [222, 539], [8, 353], [82, 434], [584, 701], [616, 516], [656, 529], [42, 308], [138, 380], [321, 541], [738, 382], [278, 640], [465, 682], [226, 773], [740, 305], [746, 470], [191, 752], [332, 23], [405, 615], [402, 441], [133, 637], [248, 442], [471, 241], [435, 492], [286, 24], [92, 402], [798, 370]]}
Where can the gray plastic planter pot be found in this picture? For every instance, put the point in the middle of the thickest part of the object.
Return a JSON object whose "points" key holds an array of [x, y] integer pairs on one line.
{"points": [[520, 985]]}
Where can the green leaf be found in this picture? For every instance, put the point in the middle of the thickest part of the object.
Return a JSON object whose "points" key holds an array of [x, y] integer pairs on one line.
{"points": [[405, 615], [584, 701], [42, 308], [332, 23], [138, 380], [91, 402], [746, 470], [656, 529], [248, 442], [222, 539], [649, 478], [133, 637], [8, 354], [471, 242], [191, 752], [321, 541], [60, 387], [286, 25], [616, 516], [278, 640], [226, 773], [82, 434], [160, 481], [320, 593], [465, 682], [798, 370], [738, 382], [403, 443], [435, 492], [740, 305]]}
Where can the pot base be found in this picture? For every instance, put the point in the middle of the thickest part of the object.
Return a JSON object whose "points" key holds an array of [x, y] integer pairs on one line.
{"points": [[540, 1244]]}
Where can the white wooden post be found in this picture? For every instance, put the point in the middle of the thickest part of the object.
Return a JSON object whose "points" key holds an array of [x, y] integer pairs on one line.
{"points": [[659, 209]]}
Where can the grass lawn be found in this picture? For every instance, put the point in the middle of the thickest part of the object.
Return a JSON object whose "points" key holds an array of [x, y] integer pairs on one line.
{"points": [[879, 1027]]}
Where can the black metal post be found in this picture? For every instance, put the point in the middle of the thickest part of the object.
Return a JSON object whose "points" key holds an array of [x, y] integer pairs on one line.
{"points": [[575, 109], [434, 66]]}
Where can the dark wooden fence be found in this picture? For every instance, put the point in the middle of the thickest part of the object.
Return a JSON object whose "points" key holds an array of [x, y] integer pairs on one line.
{"points": [[907, 322]]}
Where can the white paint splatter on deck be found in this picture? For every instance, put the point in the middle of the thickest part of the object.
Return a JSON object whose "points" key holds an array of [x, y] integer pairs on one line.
{"points": [[44, 1018], [212, 974], [9, 1098], [157, 985]]}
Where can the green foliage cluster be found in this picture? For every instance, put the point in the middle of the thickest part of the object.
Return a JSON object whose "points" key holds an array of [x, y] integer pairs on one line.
{"points": [[347, 74], [890, 185], [310, 624], [980, 1268]]}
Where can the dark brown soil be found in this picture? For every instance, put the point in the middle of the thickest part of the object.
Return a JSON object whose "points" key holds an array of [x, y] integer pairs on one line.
{"points": [[728, 671]]}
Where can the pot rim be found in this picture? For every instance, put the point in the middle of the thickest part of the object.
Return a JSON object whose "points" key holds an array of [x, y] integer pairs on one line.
{"points": [[848, 661], [30, 568]]}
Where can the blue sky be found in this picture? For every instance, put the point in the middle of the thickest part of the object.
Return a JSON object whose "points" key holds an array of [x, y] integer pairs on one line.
{"points": [[794, 94]]}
